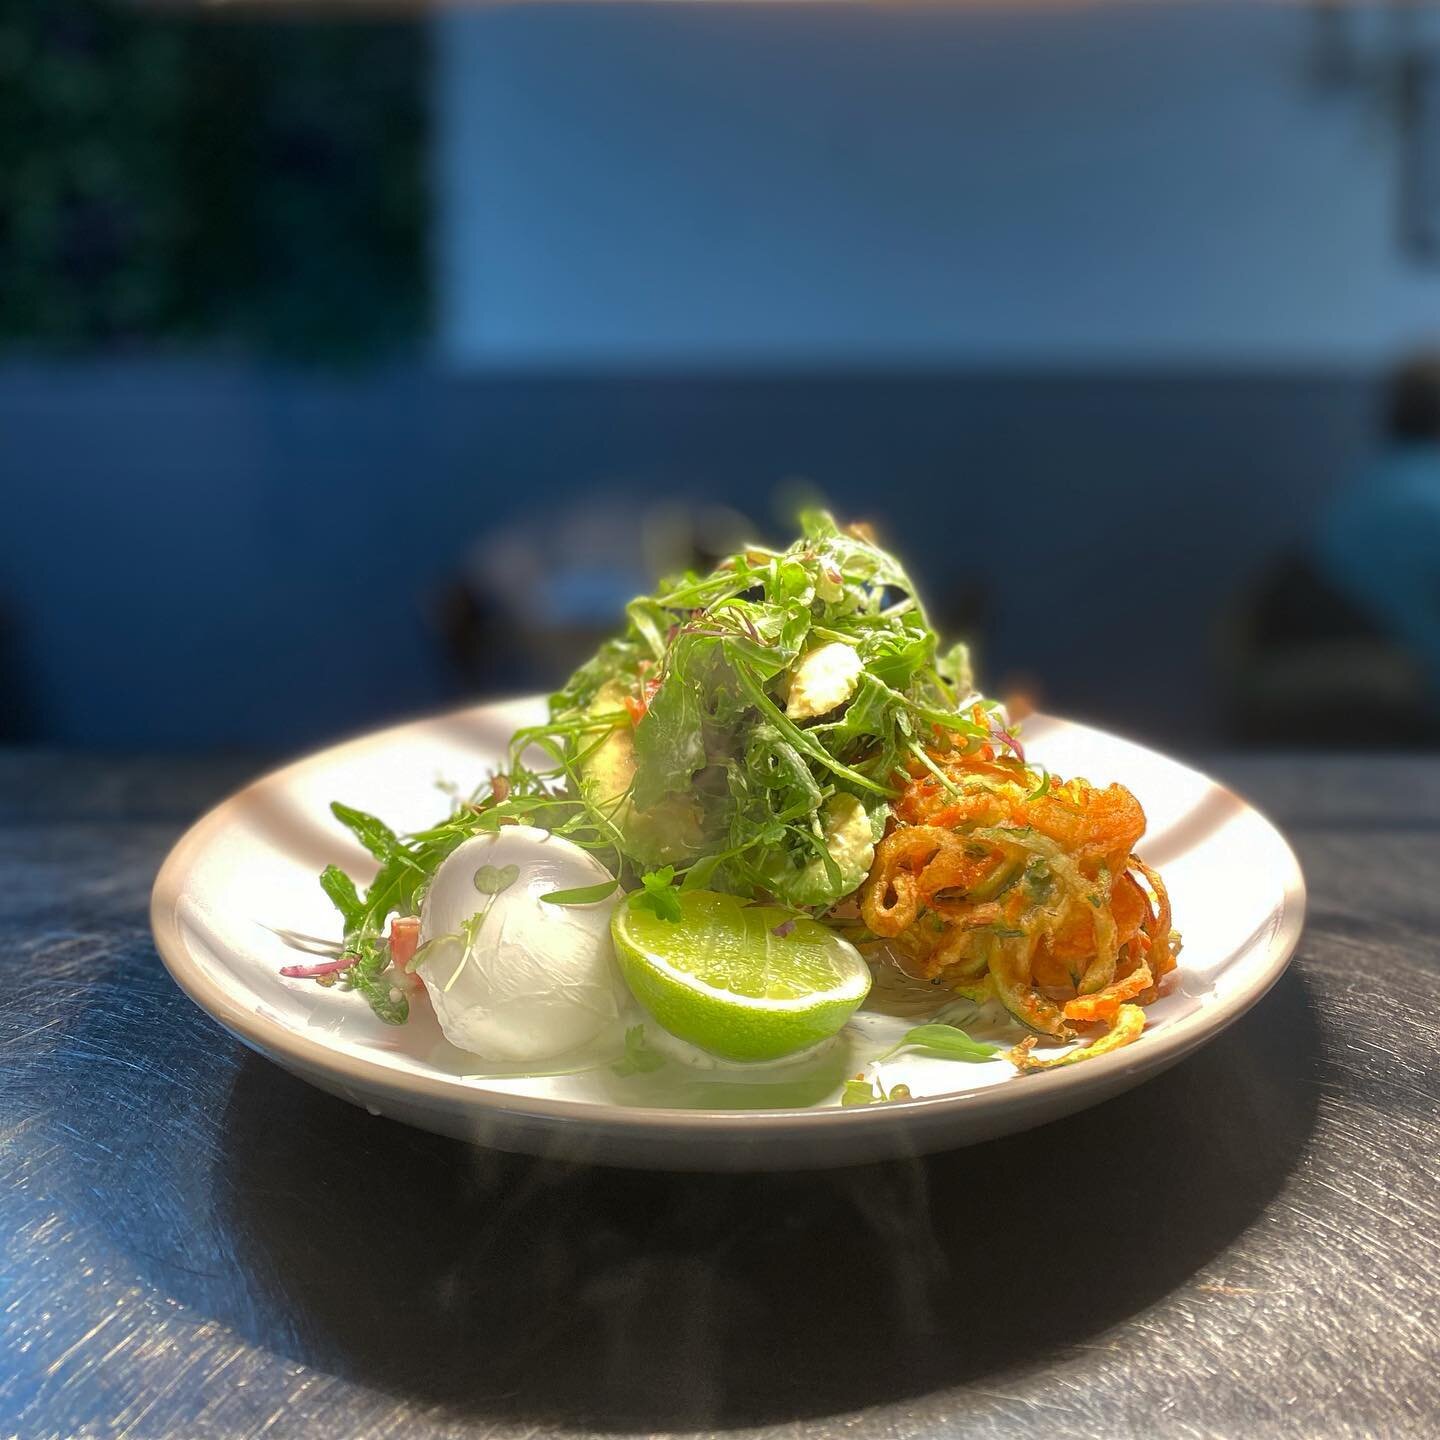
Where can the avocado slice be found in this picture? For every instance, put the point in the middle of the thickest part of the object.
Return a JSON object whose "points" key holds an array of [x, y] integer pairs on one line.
{"points": [[669, 833]]}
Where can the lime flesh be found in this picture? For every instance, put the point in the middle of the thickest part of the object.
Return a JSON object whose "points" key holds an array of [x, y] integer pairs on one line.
{"points": [[722, 979]]}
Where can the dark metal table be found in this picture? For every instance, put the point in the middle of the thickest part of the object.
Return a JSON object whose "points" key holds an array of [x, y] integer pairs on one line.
{"points": [[197, 1245]]}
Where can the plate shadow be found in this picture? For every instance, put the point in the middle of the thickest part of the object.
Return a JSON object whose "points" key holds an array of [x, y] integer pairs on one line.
{"points": [[504, 1288]]}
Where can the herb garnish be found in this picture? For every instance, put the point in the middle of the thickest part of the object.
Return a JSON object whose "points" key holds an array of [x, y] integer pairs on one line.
{"points": [[948, 1041], [581, 895], [658, 894], [639, 1058]]}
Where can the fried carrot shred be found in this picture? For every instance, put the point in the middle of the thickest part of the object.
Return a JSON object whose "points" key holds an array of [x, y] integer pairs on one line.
{"points": [[1105, 1004], [1129, 1022]]}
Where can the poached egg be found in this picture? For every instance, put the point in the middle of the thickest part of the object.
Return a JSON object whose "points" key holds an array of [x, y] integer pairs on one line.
{"points": [[512, 977]]}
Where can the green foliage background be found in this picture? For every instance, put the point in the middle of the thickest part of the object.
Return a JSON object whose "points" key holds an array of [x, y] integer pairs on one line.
{"points": [[193, 177]]}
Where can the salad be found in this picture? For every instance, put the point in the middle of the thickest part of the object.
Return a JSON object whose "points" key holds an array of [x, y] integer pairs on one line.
{"points": [[772, 791]]}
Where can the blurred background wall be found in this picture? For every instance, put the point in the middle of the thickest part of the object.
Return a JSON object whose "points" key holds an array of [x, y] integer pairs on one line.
{"points": [[350, 367], [1125, 185]]}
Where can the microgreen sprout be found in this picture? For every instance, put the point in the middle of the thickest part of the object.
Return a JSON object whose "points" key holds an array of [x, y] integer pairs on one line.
{"points": [[658, 894]]}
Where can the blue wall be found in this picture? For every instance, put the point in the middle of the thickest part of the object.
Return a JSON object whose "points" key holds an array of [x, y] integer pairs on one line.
{"points": [[226, 556], [990, 184]]}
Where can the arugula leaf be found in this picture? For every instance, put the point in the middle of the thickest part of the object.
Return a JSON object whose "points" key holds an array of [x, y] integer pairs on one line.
{"points": [[854, 557], [702, 872], [659, 894], [803, 740], [639, 1058], [896, 656], [582, 895], [346, 899], [388, 1003], [652, 621], [376, 836], [769, 637]]}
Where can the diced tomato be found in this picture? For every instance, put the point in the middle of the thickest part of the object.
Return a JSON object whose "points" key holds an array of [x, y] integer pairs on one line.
{"points": [[404, 939], [638, 707]]}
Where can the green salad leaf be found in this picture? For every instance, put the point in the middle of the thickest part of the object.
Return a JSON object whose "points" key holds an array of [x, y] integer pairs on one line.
{"points": [[737, 735], [343, 895], [948, 1041], [376, 836], [678, 742], [582, 894]]}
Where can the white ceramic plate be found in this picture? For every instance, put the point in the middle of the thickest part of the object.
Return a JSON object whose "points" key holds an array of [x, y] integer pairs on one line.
{"points": [[248, 870]]}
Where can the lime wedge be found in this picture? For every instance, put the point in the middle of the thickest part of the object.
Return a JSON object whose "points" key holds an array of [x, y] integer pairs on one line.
{"points": [[721, 977]]}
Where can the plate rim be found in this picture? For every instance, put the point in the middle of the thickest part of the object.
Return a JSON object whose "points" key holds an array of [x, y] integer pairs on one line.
{"points": [[308, 1054]]}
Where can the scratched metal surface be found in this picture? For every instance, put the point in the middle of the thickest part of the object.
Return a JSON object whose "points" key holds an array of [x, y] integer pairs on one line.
{"points": [[197, 1245]]}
